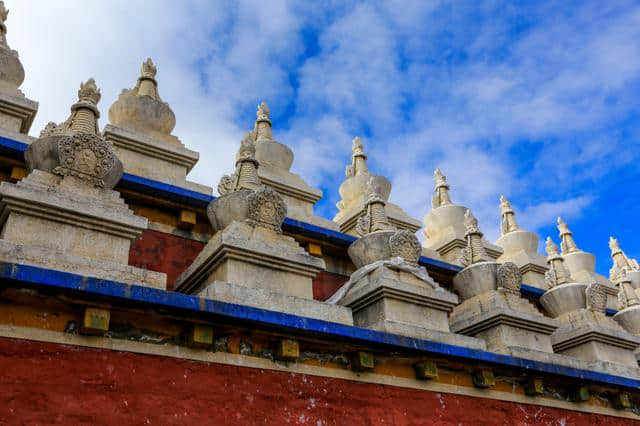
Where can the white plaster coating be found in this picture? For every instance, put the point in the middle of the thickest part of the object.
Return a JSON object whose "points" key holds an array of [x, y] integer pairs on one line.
{"points": [[140, 130], [520, 247], [354, 192], [275, 161], [444, 227]]}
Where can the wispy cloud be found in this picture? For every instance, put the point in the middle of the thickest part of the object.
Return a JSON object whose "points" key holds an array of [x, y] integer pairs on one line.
{"points": [[537, 101]]}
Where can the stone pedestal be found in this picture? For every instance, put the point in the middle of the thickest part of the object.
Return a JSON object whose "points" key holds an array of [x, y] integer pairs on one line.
{"points": [[253, 256], [494, 311], [61, 223], [595, 338], [259, 267], [444, 231], [589, 335], [16, 113], [582, 268], [396, 301], [163, 157], [521, 247]]}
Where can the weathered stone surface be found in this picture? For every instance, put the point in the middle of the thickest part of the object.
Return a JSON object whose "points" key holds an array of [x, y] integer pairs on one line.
{"points": [[492, 309], [370, 248], [275, 301], [398, 302], [588, 334], [56, 259], [253, 256], [564, 298]]}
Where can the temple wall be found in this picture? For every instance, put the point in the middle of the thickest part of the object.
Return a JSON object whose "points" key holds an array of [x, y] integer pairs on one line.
{"points": [[42, 382]]}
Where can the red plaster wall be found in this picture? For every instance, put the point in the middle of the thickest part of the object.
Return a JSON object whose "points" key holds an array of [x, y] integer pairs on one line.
{"points": [[162, 252], [43, 383], [172, 254], [326, 283]]}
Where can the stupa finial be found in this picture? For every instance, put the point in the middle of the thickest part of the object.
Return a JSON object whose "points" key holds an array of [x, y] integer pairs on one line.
{"points": [[474, 252], [84, 113], [4, 12], [148, 69], [358, 164], [374, 217], [557, 273], [246, 173], [508, 222], [567, 244], [441, 196], [621, 263], [262, 129]]}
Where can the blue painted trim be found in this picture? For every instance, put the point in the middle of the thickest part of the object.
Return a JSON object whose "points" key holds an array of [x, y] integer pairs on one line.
{"points": [[531, 291], [166, 299], [164, 191], [13, 149]]}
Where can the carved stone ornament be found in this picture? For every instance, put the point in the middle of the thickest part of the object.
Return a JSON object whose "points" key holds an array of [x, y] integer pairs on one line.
{"points": [[596, 297], [626, 295], [266, 209], [509, 278], [85, 156], [405, 244]]}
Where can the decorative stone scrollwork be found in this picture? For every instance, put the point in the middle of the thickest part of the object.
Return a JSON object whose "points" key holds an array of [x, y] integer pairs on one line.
{"points": [[266, 209], [85, 156], [405, 244], [596, 298], [509, 278]]}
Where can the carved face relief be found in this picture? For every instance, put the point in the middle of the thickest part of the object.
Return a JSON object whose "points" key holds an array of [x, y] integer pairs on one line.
{"points": [[267, 209], [405, 244], [85, 156], [509, 278]]}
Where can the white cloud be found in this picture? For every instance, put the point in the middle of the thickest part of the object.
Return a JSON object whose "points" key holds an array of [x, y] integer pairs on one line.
{"points": [[425, 83]]}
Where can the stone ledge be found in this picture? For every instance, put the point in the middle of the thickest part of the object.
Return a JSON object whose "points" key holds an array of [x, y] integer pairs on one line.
{"points": [[261, 298], [46, 257], [503, 316]]}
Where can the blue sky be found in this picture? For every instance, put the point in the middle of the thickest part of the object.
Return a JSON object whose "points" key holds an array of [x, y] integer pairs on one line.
{"points": [[537, 100]]}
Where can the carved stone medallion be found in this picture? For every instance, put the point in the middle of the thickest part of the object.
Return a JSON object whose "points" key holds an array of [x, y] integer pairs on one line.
{"points": [[405, 244], [509, 278], [85, 156], [596, 297], [266, 209]]}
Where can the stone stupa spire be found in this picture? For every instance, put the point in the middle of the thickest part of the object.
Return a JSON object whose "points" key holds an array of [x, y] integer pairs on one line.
{"points": [[441, 196], [262, 129], [84, 113], [374, 217], [358, 159], [567, 244], [474, 252], [508, 221], [16, 111], [621, 263], [557, 273], [246, 174]]}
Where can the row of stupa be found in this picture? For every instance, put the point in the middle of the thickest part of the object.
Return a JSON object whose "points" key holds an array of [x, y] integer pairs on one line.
{"points": [[77, 223], [140, 126]]}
